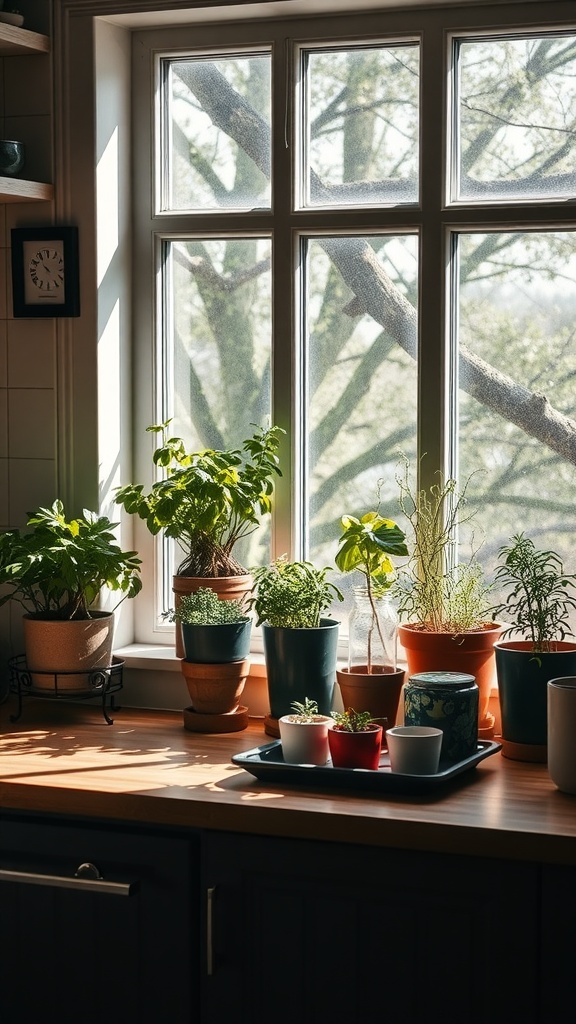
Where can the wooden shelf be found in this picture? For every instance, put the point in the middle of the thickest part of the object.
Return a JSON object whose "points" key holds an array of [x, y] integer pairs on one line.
{"points": [[21, 41], [16, 190]]}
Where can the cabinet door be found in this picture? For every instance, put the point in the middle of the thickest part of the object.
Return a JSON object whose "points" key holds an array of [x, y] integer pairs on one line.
{"points": [[120, 953], [558, 944], [317, 932]]}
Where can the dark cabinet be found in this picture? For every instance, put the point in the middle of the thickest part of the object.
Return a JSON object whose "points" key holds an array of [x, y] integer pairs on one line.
{"points": [[119, 949], [558, 943], [314, 932], [116, 925]]}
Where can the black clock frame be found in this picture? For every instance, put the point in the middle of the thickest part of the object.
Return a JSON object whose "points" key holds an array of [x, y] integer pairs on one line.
{"points": [[69, 238]]}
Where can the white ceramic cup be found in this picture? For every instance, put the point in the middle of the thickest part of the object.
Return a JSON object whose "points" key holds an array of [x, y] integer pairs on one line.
{"points": [[305, 744], [414, 749], [561, 693]]}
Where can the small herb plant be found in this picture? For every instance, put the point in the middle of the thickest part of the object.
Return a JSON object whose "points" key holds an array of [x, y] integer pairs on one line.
{"points": [[205, 608], [540, 596], [305, 712], [57, 568], [353, 721], [365, 547], [434, 590], [291, 594]]}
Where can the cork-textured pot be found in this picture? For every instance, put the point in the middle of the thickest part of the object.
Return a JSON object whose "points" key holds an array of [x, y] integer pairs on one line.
{"points": [[61, 654]]}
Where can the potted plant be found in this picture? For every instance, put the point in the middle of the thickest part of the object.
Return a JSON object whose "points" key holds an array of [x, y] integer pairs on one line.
{"points": [[355, 740], [304, 734], [56, 570], [372, 678], [539, 598], [216, 637], [207, 501], [445, 601], [300, 644]]}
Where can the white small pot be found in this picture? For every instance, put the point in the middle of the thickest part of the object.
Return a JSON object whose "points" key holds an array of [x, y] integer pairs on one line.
{"points": [[305, 742]]}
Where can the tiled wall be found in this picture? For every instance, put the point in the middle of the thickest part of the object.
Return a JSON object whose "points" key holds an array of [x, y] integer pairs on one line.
{"points": [[28, 365]]}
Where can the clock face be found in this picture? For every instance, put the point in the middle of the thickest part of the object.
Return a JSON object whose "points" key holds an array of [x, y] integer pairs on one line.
{"points": [[44, 272]]}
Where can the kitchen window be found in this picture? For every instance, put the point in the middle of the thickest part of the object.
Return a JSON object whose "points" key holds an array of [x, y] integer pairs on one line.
{"points": [[362, 229]]}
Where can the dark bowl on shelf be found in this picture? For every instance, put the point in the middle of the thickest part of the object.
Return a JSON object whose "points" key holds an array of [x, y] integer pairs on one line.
{"points": [[11, 157]]}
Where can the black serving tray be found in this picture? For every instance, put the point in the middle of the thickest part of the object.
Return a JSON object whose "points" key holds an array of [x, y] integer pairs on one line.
{"points": [[268, 765]]}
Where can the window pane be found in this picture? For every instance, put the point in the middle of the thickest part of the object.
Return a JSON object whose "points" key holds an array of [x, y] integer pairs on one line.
{"points": [[515, 109], [361, 125], [362, 379], [218, 337], [218, 144], [517, 369]]}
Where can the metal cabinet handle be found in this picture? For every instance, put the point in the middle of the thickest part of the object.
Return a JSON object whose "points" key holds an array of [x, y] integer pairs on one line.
{"points": [[210, 897], [86, 879]]}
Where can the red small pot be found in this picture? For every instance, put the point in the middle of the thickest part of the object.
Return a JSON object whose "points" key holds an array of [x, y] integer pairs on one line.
{"points": [[355, 749]]}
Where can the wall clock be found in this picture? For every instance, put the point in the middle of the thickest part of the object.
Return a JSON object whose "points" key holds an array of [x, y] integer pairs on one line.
{"points": [[45, 272]]}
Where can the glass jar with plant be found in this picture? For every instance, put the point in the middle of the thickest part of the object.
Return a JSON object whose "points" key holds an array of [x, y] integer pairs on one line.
{"points": [[445, 600], [372, 678], [366, 545], [289, 599], [539, 601]]}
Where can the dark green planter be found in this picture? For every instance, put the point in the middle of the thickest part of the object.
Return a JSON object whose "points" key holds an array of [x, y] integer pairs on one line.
{"points": [[215, 645], [522, 689], [300, 663]]}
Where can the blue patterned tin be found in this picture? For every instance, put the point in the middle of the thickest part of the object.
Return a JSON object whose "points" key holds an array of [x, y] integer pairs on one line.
{"points": [[448, 701]]}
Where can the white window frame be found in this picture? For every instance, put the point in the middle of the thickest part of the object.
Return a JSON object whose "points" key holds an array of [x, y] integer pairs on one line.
{"points": [[81, 74]]}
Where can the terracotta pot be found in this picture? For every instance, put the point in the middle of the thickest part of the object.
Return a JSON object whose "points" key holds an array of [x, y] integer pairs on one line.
{"points": [[471, 653], [228, 588], [355, 749], [377, 692], [215, 689], [61, 654]]}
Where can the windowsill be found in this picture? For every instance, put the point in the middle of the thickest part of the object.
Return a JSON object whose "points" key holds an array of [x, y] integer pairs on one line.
{"points": [[163, 658]]}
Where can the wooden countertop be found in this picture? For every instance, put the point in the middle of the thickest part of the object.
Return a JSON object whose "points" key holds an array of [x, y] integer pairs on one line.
{"points": [[146, 768]]}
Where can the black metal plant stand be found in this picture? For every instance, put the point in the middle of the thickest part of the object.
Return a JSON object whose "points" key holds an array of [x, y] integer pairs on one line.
{"points": [[100, 683]]}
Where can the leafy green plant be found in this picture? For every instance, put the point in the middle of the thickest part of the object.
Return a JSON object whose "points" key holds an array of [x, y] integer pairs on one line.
{"points": [[352, 721], [208, 500], [58, 568], [365, 547], [304, 711], [291, 594], [433, 589], [205, 608], [540, 594]]}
